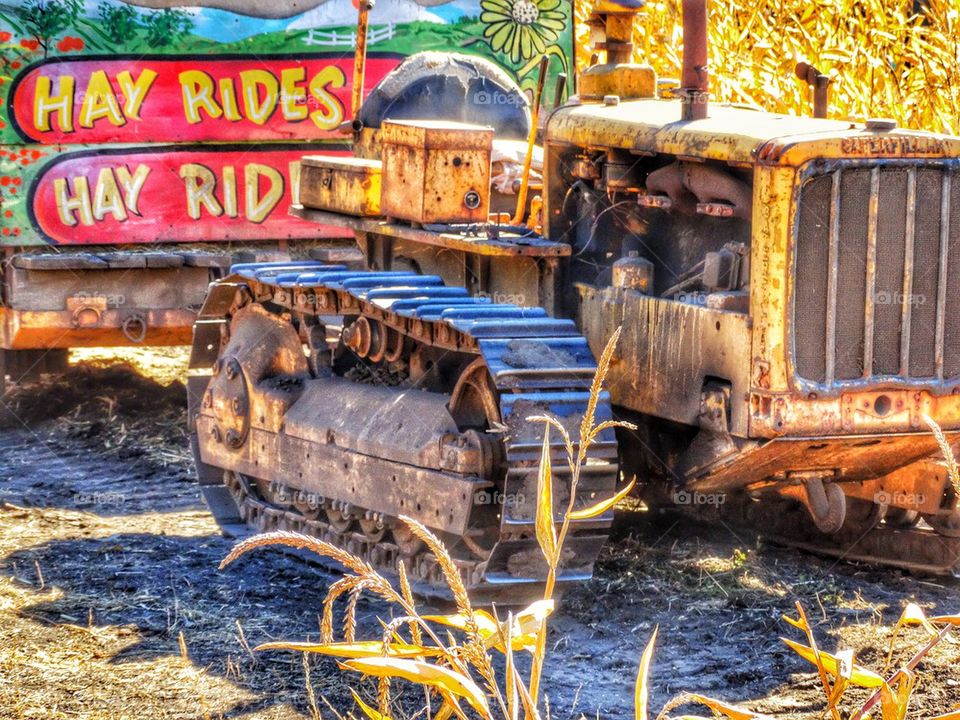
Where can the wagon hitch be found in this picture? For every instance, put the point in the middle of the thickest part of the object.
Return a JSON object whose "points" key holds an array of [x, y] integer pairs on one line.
{"points": [[824, 500]]}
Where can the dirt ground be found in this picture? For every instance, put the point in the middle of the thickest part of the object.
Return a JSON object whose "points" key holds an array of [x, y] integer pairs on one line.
{"points": [[111, 604]]}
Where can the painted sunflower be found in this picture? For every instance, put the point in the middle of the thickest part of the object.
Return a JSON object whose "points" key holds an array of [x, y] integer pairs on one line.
{"points": [[521, 29]]}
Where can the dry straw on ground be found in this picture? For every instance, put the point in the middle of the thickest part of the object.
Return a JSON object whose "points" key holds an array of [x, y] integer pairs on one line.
{"points": [[454, 658], [885, 59]]}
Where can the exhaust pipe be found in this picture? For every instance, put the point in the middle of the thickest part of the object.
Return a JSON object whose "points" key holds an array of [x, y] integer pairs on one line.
{"points": [[694, 80]]}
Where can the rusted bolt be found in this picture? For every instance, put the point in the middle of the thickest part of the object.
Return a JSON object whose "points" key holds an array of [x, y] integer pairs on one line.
{"points": [[216, 367], [215, 433], [233, 369], [236, 405], [233, 438], [208, 399]]}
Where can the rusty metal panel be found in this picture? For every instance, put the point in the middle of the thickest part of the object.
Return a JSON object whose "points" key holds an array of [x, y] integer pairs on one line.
{"points": [[735, 134], [436, 172], [345, 185], [106, 307], [369, 419], [31, 329], [852, 457], [507, 243], [856, 412], [919, 486], [667, 351], [625, 80]]}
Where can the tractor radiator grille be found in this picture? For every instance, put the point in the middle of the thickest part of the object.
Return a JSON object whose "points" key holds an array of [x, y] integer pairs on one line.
{"points": [[877, 277]]}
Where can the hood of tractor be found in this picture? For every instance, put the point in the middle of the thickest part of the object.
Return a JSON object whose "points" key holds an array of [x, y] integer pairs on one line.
{"points": [[737, 135]]}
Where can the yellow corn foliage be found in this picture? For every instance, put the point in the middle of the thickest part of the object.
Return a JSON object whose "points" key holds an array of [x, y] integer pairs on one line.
{"points": [[422, 673], [884, 60]]}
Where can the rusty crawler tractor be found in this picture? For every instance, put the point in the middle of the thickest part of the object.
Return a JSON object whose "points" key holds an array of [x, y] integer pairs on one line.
{"points": [[783, 285]]}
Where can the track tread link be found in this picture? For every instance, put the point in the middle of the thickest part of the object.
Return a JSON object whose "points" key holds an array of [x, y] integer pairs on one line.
{"points": [[538, 364]]}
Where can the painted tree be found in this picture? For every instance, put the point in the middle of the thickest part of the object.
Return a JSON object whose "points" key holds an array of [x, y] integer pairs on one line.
{"points": [[46, 19], [119, 22], [167, 27]]}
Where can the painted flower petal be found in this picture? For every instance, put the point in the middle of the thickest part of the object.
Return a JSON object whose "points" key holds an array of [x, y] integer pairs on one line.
{"points": [[550, 28], [491, 17], [536, 39], [553, 17], [501, 39], [526, 45], [515, 45], [501, 6]]}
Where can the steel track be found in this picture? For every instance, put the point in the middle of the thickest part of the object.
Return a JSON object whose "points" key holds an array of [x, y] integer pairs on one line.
{"points": [[537, 364]]}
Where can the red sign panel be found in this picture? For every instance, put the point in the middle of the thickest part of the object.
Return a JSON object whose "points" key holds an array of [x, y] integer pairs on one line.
{"points": [[172, 194], [115, 99]]}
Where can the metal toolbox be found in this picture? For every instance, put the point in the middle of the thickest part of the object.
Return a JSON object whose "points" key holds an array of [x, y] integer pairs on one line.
{"points": [[437, 171], [346, 185]]}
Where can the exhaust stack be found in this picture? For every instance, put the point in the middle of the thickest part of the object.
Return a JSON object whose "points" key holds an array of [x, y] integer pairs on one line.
{"points": [[694, 79]]}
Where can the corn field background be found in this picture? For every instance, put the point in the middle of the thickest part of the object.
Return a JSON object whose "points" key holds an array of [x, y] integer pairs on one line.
{"points": [[886, 59]]}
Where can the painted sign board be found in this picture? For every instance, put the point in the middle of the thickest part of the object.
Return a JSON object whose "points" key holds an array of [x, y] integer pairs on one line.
{"points": [[127, 123]]}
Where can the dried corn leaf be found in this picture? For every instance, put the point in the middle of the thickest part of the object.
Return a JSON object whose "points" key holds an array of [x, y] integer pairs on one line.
{"points": [[641, 692], [367, 710], [912, 615], [424, 673], [365, 649], [601, 507], [546, 529], [859, 676]]}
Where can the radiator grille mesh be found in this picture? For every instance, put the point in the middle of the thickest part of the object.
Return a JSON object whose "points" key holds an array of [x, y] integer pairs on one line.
{"points": [[875, 249]]}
